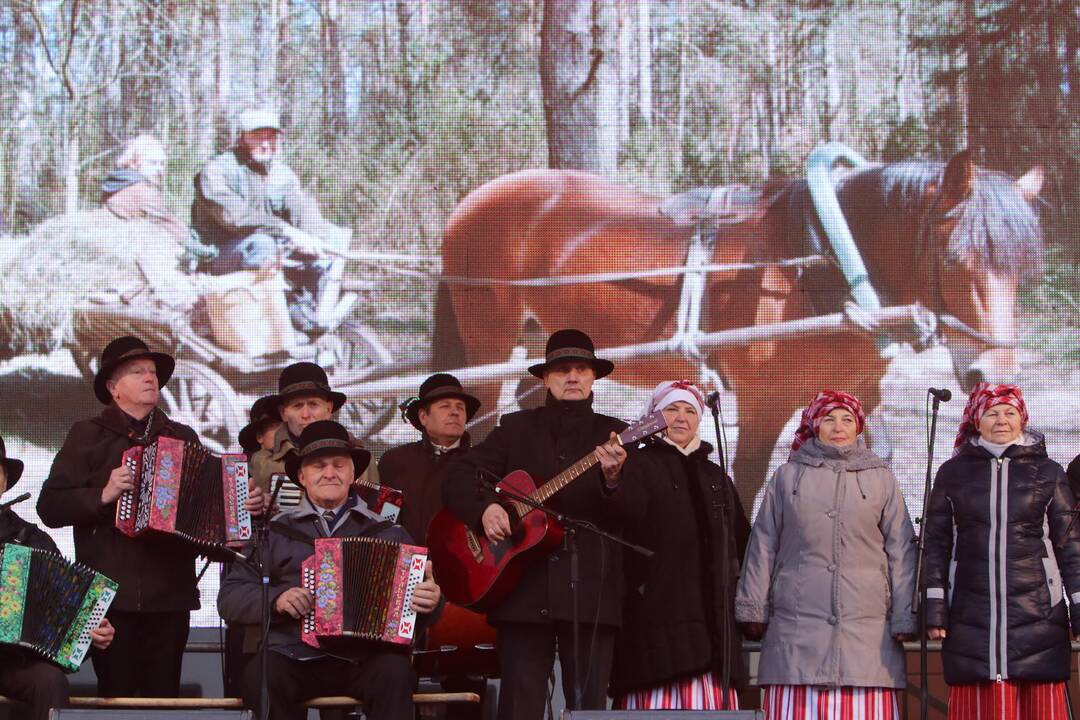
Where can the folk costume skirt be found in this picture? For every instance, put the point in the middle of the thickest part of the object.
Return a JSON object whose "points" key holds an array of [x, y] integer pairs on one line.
{"points": [[703, 692], [1008, 700], [812, 702]]}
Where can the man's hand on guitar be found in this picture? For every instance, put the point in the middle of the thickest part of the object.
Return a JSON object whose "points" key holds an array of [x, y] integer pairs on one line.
{"points": [[427, 594], [611, 455], [496, 523]]}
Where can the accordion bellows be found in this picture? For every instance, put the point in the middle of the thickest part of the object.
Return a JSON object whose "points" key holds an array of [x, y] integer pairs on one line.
{"points": [[183, 489], [50, 605], [363, 589]]}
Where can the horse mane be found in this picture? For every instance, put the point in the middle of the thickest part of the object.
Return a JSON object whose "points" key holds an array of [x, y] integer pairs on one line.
{"points": [[994, 221]]}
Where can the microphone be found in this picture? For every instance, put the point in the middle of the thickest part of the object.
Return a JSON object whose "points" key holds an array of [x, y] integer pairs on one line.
{"points": [[14, 501], [712, 401], [942, 394]]}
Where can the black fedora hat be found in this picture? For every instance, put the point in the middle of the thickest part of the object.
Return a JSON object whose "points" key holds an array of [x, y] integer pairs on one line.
{"points": [[13, 467], [571, 345], [439, 385], [122, 350], [263, 411], [322, 437], [306, 378]]}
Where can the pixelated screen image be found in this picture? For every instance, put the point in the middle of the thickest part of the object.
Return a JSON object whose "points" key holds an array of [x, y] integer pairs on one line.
{"points": [[767, 198]]}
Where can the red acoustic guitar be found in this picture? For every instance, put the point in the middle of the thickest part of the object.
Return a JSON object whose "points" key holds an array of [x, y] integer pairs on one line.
{"points": [[477, 573]]}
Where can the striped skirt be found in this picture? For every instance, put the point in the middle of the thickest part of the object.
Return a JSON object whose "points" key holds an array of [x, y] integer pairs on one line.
{"points": [[810, 702], [703, 692], [1008, 700]]}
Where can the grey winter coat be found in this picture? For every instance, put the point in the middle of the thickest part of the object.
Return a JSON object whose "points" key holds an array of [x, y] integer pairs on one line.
{"points": [[830, 567]]}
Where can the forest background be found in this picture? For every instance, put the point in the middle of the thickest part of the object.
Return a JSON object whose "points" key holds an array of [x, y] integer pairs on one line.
{"points": [[396, 109]]}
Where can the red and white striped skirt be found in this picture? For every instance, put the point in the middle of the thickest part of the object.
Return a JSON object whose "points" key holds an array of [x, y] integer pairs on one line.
{"points": [[1008, 700], [703, 692], [811, 702]]}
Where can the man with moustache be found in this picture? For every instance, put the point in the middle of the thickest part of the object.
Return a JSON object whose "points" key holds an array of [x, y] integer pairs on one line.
{"points": [[252, 207], [155, 572], [535, 617], [439, 412]]}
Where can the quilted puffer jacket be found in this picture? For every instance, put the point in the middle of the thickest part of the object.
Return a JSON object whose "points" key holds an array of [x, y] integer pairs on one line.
{"points": [[1000, 540]]}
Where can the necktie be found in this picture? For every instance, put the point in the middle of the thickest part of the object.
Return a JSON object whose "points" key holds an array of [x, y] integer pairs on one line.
{"points": [[328, 516]]}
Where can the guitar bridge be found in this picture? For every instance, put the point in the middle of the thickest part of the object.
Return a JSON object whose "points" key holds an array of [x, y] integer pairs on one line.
{"points": [[474, 546]]}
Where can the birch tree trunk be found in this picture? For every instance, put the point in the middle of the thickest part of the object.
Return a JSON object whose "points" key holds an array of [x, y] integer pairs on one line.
{"points": [[644, 48]]}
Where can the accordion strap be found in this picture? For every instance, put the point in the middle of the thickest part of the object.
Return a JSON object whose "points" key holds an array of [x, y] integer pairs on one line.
{"points": [[294, 534]]}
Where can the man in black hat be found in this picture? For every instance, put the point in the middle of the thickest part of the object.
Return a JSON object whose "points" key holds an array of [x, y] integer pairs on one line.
{"points": [[304, 396], [536, 615], [326, 466], [241, 641], [263, 422], [156, 573], [439, 412], [25, 676]]}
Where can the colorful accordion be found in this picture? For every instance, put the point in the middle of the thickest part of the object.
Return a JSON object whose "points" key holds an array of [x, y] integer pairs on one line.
{"points": [[50, 605], [363, 589], [183, 489]]}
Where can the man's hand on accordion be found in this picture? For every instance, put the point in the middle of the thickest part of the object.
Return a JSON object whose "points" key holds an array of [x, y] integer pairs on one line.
{"points": [[295, 602], [102, 635], [120, 480], [427, 594], [258, 501]]}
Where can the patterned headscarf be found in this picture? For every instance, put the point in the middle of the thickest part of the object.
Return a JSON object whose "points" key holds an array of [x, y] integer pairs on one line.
{"points": [[824, 403], [672, 391], [983, 397]]}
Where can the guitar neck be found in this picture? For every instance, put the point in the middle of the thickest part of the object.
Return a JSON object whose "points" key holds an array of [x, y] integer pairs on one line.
{"points": [[645, 427], [557, 483]]}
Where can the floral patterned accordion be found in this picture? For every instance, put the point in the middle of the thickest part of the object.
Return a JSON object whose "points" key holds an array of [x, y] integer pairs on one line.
{"points": [[363, 590], [50, 605], [183, 489]]}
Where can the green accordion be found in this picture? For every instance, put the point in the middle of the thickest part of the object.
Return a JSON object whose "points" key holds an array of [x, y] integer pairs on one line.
{"points": [[50, 605]]}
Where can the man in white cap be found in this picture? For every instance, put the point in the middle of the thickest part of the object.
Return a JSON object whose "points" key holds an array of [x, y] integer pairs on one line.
{"points": [[253, 209]]}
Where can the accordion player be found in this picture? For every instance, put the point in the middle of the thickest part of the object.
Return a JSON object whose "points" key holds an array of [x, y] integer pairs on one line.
{"points": [[182, 488], [50, 605]]}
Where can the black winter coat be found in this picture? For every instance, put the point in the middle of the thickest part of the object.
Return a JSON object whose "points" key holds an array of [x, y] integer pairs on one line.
{"points": [[675, 625], [156, 572], [418, 472], [997, 587], [543, 442]]}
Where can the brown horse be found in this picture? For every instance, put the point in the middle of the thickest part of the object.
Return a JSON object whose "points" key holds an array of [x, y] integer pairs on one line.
{"points": [[954, 237]]}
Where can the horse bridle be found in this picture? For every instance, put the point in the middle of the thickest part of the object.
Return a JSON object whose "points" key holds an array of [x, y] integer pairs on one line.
{"points": [[934, 255]]}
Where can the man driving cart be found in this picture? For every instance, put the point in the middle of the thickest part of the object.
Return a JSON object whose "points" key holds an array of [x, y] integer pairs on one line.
{"points": [[252, 209]]}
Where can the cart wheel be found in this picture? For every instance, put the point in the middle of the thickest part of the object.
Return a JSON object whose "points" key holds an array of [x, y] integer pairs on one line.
{"points": [[353, 350], [200, 398]]}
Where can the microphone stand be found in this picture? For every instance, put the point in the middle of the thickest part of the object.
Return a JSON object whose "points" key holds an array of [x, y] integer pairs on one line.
{"points": [[262, 550], [918, 596], [713, 401], [570, 526]]}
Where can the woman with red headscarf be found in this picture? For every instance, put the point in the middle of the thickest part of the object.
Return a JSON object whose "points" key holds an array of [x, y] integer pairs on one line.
{"points": [[1000, 540], [828, 574]]}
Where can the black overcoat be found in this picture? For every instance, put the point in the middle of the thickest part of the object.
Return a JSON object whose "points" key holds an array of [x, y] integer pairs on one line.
{"points": [[675, 625], [155, 572], [542, 442]]}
